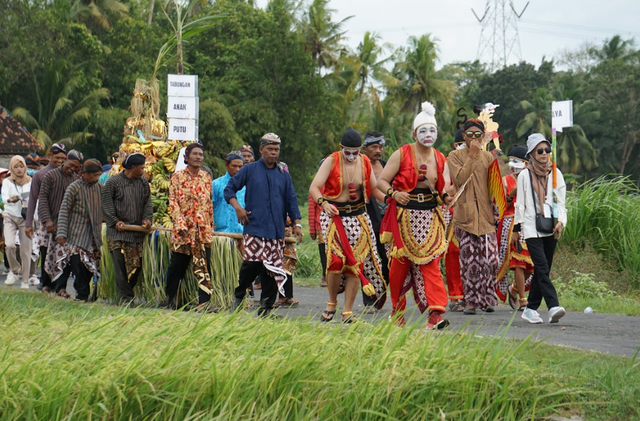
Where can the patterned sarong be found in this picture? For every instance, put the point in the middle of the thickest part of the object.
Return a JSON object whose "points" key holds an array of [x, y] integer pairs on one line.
{"points": [[270, 252], [58, 258], [358, 230], [290, 258], [198, 254], [132, 255], [478, 268], [510, 258]]}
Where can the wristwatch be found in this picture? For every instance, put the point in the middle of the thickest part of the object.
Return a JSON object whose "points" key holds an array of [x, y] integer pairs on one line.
{"points": [[298, 226]]}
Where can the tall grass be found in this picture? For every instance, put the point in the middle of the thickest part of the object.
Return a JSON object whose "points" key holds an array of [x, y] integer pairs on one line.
{"points": [[225, 267], [605, 213], [67, 361]]}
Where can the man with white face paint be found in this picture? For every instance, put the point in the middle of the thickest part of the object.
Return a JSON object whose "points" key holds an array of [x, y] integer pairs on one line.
{"points": [[513, 253], [413, 225], [342, 186]]}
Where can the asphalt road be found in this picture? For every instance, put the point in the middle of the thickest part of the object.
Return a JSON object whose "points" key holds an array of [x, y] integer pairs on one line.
{"points": [[611, 334]]}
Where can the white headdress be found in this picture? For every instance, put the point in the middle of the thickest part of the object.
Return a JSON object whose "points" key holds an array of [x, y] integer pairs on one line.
{"points": [[427, 116]]}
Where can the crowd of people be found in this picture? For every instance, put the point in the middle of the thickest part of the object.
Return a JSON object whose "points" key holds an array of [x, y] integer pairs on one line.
{"points": [[380, 225]]}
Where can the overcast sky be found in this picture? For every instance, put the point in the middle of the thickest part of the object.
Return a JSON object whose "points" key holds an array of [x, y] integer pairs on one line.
{"points": [[546, 28]]}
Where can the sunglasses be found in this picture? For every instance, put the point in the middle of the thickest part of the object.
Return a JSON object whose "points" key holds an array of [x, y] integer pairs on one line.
{"points": [[477, 135], [545, 150]]}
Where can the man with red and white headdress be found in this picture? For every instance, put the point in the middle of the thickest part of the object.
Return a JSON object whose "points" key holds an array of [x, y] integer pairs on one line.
{"points": [[416, 178]]}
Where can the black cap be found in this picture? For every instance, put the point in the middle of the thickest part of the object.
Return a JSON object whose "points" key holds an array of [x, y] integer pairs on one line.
{"points": [[351, 139]]}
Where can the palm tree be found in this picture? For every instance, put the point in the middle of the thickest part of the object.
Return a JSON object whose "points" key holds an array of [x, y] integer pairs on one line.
{"points": [[615, 49], [414, 78], [61, 108], [95, 13], [367, 65], [537, 115], [322, 36]]}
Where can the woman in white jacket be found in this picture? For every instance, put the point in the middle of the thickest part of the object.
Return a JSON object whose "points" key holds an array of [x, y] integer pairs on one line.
{"points": [[15, 193], [534, 220]]}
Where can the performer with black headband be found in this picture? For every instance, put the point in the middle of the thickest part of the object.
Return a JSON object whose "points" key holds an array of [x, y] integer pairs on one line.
{"points": [[126, 199], [342, 186], [373, 148], [80, 229], [224, 216], [474, 219], [417, 178], [54, 185], [191, 211], [270, 198]]}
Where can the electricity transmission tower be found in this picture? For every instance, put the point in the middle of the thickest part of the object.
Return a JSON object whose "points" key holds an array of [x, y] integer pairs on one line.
{"points": [[499, 38]]}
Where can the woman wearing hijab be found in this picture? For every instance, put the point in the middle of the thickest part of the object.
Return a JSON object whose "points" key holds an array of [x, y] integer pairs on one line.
{"points": [[534, 220], [15, 194]]}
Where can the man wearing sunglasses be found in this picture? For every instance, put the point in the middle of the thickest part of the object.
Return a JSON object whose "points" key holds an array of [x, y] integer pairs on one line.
{"points": [[342, 186], [474, 219], [417, 177]]}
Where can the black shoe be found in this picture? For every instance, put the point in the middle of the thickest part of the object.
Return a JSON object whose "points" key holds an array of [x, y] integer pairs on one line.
{"points": [[489, 310], [469, 311]]}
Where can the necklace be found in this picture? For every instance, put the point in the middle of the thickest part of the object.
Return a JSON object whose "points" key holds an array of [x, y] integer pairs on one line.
{"points": [[422, 169], [351, 186]]}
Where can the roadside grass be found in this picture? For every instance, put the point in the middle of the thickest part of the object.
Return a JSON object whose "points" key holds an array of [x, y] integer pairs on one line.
{"points": [[63, 360]]}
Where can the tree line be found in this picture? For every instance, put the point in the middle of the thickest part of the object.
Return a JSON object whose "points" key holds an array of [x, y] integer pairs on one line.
{"points": [[68, 69]]}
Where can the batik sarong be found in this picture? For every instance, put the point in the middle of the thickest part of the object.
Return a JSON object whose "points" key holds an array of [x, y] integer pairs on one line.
{"points": [[416, 265], [270, 252], [59, 256], [198, 255], [511, 257], [132, 254], [358, 229], [290, 258], [478, 268]]}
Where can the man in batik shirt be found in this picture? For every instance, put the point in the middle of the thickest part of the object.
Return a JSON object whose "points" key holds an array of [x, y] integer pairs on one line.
{"points": [[413, 224], [192, 214], [269, 199], [343, 185], [80, 229]]}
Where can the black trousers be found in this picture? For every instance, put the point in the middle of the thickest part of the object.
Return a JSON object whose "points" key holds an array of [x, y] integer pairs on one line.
{"points": [[288, 287], [82, 284], [45, 279], [124, 286], [177, 269], [248, 272], [322, 249], [542, 250], [61, 282]]}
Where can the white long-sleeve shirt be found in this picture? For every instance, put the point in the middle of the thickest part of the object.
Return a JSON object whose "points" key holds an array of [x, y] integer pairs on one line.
{"points": [[525, 210], [9, 190]]}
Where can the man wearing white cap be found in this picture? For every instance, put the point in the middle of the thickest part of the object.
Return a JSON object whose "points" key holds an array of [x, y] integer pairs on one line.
{"points": [[535, 221], [413, 225]]}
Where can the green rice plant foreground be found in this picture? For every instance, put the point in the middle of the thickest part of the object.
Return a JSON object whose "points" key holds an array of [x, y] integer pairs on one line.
{"points": [[63, 360]]}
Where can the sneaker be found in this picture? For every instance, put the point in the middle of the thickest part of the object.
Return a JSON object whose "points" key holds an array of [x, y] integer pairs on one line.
{"points": [[531, 316], [12, 278], [24, 285], [556, 313], [34, 280], [436, 321]]}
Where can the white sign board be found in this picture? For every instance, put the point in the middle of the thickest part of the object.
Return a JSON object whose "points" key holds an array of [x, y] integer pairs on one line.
{"points": [[561, 114], [183, 107], [182, 129], [180, 165], [182, 85]]}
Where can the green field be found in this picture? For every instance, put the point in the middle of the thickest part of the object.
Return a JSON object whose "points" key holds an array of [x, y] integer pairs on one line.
{"points": [[63, 360]]}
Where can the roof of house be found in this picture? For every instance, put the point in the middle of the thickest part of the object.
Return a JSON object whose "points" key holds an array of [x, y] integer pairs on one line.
{"points": [[15, 139]]}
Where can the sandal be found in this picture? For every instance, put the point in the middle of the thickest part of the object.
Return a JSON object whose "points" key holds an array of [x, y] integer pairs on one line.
{"points": [[327, 315], [457, 307], [63, 293], [289, 302], [523, 304], [513, 298], [350, 317]]}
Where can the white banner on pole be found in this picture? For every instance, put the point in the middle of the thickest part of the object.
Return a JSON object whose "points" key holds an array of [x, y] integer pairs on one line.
{"points": [[561, 114]]}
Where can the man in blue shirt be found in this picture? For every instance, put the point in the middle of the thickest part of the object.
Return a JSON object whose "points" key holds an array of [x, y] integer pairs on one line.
{"points": [[224, 216], [270, 198]]}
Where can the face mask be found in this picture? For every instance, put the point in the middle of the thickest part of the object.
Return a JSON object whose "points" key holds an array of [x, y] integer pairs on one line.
{"points": [[461, 146], [427, 135], [516, 165], [350, 154]]}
